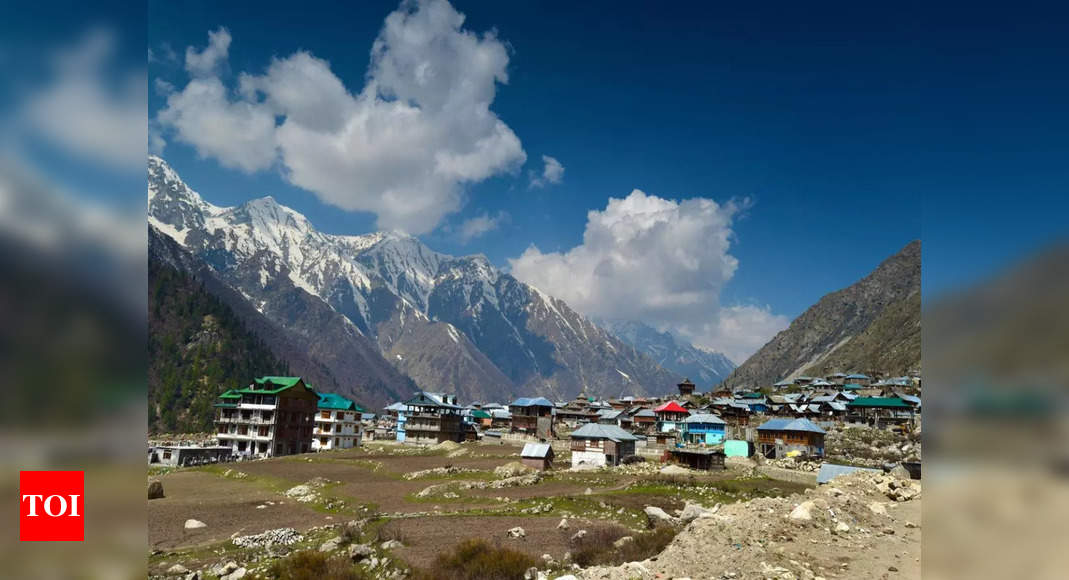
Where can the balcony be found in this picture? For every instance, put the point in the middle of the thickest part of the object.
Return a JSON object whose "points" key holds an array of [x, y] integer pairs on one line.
{"points": [[250, 421]]}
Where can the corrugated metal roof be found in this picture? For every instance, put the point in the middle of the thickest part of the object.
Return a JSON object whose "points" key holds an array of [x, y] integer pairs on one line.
{"points": [[536, 450], [596, 431], [829, 471], [705, 418], [531, 402], [879, 402], [670, 407], [790, 425]]}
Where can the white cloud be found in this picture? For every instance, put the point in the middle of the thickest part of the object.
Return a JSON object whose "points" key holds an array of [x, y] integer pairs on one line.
{"points": [[552, 172], [659, 261], [402, 147], [481, 224], [81, 111], [206, 62]]}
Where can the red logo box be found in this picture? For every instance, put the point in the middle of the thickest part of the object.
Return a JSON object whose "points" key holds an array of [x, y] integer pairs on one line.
{"points": [[51, 506]]}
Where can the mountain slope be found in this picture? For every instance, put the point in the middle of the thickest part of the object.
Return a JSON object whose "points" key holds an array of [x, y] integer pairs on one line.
{"points": [[454, 324], [705, 368], [872, 325], [198, 347], [321, 347]]}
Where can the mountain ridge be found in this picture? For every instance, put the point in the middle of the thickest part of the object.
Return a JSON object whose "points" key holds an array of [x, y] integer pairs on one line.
{"points": [[495, 337], [838, 333]]}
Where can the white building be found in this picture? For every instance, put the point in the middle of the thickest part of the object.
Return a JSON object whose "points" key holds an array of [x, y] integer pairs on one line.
{"points": [[337, 423], [272, 417]]}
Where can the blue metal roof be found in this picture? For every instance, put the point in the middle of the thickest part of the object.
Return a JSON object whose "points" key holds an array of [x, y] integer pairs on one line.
{"points": [[790, 425], [531, 402], [858, 376], [596, 431]]}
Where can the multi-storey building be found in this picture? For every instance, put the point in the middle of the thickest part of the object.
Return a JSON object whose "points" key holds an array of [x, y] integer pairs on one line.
{"points": [[532, 416], [430, 418], [337, 423], [272, 417]]}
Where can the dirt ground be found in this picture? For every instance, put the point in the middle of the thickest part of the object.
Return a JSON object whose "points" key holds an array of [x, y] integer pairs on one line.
{"points": [[225, 505]]}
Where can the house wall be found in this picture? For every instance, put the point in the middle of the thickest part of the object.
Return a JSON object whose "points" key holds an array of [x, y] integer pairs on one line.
{"points": [[596, 458]]}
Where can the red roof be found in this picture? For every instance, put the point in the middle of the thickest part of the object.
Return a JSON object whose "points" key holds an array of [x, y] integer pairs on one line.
{"points": [[670, 407]]}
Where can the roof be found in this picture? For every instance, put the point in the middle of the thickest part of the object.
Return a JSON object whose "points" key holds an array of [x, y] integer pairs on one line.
{"points": [[829, 471], [230, 394], [425, 399], [751, 396], [783, 384], [531, 402], [367, 416], [837, 406], [911, 399], [670, 407], [852, 386], [790, 425], [858, 376], [398, 406], [609, 414], [478, 414], [645, 413], [705, 418], [539, 450], [335, 401], [596, 431], [271, 385], [882, 402]]}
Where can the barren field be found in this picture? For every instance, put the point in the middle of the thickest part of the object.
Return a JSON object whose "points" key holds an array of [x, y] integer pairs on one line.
{"points": [[427, 512]]}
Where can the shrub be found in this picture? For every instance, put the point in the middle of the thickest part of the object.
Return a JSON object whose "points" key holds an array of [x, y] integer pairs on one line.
{"points": [[633, 459], [597, 549], [311, 565], [387, 533], [477, 559]]}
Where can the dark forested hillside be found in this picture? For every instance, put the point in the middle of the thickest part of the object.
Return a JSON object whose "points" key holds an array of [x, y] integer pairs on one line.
{"points": [[198, 348]]}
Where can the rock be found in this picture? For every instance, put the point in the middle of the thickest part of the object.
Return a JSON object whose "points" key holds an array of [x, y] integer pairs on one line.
{"points": [[563, 525], [331, 544], [911, 525], [878, 508], [623, 542], [675, 470], [692, 511], [517, 532], [228, 568], [512, 469], [236, 574], [194, 575], [280, 536], [194, 524], [391, 544], [358, 552], [588, 491], [530, 574], [177, 570], [803, 512], [834, 491], [899, 472], [889, 531], [568, 577], [657, 515], [155, 489], [892, 569], [578, 535], [842, 527]]}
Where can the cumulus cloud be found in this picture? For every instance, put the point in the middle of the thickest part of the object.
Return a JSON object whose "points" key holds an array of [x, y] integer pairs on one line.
{"points": [[477, 226], [402, 147], [658, 261], [204, 63], [552, 173], [84, 112]]}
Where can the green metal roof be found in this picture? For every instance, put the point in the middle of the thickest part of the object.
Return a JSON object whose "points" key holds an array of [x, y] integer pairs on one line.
{"points": [[852, 387], [880, 402], [230, 394], [480, 414], [271, 385], [335, 401]]}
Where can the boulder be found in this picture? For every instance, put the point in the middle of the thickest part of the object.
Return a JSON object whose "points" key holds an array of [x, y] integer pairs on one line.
{"points": [[358, 552], [331, 544], [656, 515], [842, 527], [517, 532], [512, 469], [623, 542], [803, 512], [563, 525], [155, 489], [391, 544], [878, 508], [177, 570], [194, 524], [236, 574], [675, 470], [692, 511], [578, 535]]}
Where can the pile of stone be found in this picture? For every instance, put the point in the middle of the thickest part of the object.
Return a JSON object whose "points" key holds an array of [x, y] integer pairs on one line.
{"points": [[795, 463], [276, 537], [512, 469], [437, 472]]}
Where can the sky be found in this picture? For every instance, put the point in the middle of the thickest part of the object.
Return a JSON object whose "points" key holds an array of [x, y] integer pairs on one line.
{"points": [[709, 169]]}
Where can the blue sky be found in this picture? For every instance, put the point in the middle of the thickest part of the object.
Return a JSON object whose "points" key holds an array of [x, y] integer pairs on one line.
{"points": [[843, 125]]}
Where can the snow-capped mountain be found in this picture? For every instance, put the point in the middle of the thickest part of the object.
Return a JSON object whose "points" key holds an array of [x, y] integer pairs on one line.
{"points": [[452, 324], [706, 368]]}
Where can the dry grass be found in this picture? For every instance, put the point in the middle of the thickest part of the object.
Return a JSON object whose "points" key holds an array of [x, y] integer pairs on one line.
{"points": [[597, 549], [477, 559], [312, 565]]}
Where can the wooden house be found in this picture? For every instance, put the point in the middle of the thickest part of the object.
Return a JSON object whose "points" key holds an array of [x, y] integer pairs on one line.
{"points": [[537, 455], [778, 437], [601, 445]]}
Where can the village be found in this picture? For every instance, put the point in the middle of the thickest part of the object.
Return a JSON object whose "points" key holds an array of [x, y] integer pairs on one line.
{"points": [[291, 472]]}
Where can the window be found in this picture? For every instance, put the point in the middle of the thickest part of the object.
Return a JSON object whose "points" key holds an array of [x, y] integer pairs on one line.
{"points": [[167, 454], [243, 430], [326, 415], [341, 415], [322, 440], [336, 442], [263, 431], [267, 415]]}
